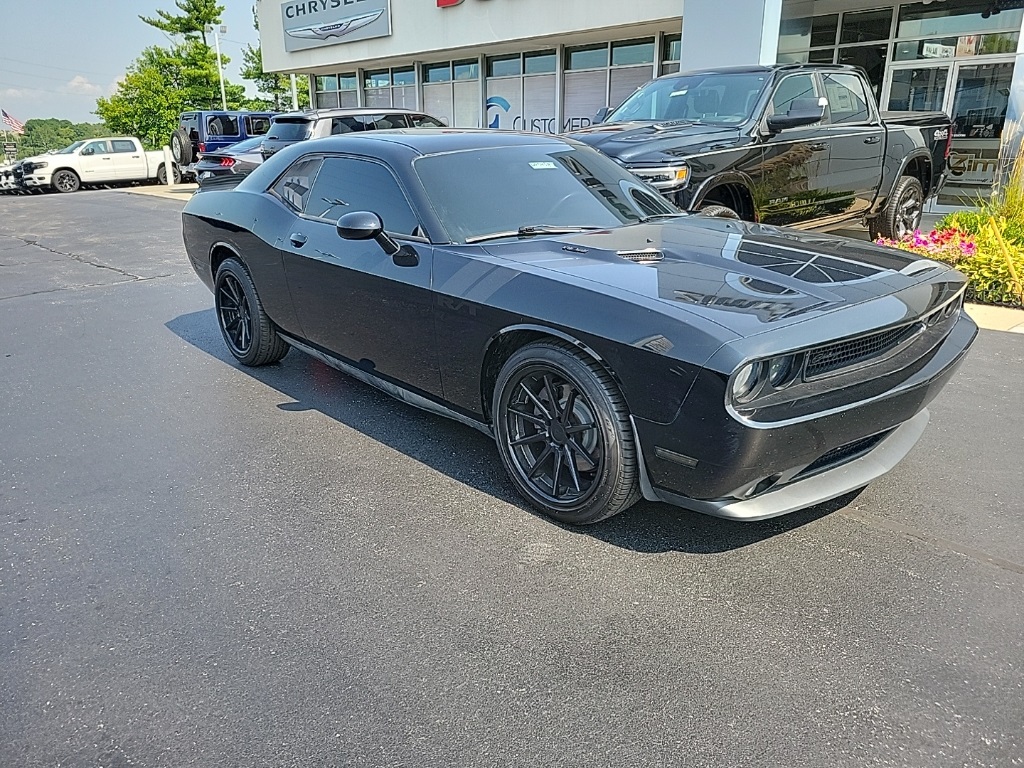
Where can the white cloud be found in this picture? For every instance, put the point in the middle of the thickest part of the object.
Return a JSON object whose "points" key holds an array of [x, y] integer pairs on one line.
{"points": [[13, 93], [80, 84]]}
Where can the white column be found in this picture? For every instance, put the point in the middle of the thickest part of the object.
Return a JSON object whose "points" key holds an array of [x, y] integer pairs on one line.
{"points": [[732, 33]]}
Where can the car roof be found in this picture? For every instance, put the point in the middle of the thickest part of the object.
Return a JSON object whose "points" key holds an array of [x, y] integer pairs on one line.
{"points": [[760, 69], [314, 114], [427, 141]]}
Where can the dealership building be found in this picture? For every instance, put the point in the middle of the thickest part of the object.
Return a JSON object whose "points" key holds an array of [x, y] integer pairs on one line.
{"points": [[550, 65]]}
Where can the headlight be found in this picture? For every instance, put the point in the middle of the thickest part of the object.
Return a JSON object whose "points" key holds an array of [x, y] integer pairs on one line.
{"points": [[37, 166], [780, 371], [666, 177], [747, 381]]}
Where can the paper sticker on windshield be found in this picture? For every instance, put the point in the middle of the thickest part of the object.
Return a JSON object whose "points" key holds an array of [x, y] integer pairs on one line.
{"points": [[543, 165]]}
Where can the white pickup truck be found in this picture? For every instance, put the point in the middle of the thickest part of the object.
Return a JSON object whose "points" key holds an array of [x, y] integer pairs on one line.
{"points": [[119, 159]]}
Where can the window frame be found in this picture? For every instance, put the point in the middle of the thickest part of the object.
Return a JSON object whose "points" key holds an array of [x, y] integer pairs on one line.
{"points": [[873, 118], [128, 142]]}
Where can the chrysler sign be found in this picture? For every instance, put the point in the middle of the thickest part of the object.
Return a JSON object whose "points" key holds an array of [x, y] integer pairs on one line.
{"points": [[312, 23]]}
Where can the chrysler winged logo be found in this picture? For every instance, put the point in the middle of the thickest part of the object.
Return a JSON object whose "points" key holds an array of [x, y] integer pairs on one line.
{"points": [[336, 28]]}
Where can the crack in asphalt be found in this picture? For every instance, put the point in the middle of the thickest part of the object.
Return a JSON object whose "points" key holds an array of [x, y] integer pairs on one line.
{"points": [[84, 285], [80, 259], [936, 541]]}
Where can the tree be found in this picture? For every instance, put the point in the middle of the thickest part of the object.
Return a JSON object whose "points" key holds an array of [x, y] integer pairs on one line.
{"points": [[196, 16], [42, 135], [160, 85], [276, 86]]}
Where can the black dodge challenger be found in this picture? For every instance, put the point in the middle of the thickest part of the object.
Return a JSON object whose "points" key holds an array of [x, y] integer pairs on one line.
{"points": [[615, 348]]}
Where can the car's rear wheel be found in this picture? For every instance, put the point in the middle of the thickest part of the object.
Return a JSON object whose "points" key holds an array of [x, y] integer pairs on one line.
{"points": [[564, 434], [249, 334], [718, 211], [66, 181], [902, 213]]}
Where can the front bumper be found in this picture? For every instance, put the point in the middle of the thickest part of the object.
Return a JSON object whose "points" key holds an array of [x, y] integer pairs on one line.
{"points": [[711, 463], [35, 181]]}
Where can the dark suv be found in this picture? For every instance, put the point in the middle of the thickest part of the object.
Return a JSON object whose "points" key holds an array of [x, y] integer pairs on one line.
{"points": [[290, 127], [209, 131]]}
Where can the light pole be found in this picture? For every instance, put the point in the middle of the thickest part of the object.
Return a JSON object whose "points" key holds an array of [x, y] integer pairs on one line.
{"points": [[217, 32]]}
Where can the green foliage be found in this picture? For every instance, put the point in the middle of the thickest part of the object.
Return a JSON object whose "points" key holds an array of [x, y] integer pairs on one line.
{"points": [[43, 135], [160, 85], [275, 87], [195, 16], [992, 275]]}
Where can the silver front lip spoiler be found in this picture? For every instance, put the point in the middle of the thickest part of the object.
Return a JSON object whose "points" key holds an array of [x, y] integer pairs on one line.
{"points": [[815, 489]]}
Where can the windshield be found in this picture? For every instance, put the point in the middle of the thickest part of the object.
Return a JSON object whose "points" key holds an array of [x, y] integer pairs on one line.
{"points": [[69, 150], [289, 130], [715, 98], [247, 145], [482, 192]]}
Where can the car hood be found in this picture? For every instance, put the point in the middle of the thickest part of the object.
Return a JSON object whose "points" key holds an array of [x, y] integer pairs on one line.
{"points": [[748, 278], [643, 142]]}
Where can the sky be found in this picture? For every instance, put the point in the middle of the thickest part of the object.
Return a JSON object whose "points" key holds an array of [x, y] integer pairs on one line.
{"points": [[58, 56]]}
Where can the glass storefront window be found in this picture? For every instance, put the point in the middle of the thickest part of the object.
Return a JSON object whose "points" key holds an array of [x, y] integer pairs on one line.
{"points": [[539, 62], [504, 66], [823, 30], [630, 52], [866, 26], [466, 70], [403, 76], [378, 79], [672, 48], [326, 83], [587, 56], [872, 59], [348, 82], [952, 19], [918, 90], [964, 45], [437, 73], [808, 32]]}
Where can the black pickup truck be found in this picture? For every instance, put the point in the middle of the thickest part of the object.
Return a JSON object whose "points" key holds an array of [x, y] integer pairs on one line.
{"points": [[796, 145]]}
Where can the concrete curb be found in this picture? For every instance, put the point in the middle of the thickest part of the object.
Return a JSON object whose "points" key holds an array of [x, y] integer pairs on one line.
{"points": [[180, 192]]}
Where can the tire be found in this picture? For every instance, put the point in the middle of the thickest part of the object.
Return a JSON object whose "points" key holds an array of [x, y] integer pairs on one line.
{"points": [[718, 211], [902, 213], [161, 175], [249, 334], [567, 470], [65, 181], [181, 147]]}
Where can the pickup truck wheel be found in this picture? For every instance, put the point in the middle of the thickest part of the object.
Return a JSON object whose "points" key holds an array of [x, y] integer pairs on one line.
{"points": [[161, 175], [66, 181], [902, 214], [249, 334], [718, 211], [564, 434]]}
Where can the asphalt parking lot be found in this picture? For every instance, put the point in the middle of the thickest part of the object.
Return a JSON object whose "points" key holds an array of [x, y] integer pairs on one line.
{"points": [[211, 566]]}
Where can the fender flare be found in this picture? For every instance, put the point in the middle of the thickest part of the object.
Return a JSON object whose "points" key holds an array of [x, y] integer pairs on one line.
{"points": [[918, 153], [730, 177]]}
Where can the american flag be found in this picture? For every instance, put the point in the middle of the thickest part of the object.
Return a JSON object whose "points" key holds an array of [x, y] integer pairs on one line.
{"points": [[15, 125]]}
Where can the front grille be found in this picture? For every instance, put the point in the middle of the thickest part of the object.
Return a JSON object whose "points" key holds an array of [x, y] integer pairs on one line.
{"points": [[831, 358], [842, 454]]}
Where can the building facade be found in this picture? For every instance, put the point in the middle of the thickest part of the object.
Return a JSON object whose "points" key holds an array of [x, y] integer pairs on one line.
{"points": [[537, 65]]}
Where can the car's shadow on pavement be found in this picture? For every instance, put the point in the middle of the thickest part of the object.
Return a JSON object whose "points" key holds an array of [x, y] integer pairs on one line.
{"points": [[470, 457]]}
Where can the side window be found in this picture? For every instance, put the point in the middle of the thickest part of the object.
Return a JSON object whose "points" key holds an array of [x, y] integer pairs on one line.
{"points": [[97, 147], [847, 101], [256, 126], [222, 125], [792, 88], [425, 121], [293, 187], [346, 184], [123, 145]]}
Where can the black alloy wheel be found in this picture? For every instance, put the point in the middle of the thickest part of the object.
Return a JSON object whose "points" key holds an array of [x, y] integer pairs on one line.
{"points": [[903, 211], [161, 175], [718, 211], [65, 181], [564, 434], [249, 334]]}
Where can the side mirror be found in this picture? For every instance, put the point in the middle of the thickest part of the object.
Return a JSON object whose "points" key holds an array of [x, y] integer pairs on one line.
{"points": [[801, 112], [88, 151], [366, 225], [602, 113]]}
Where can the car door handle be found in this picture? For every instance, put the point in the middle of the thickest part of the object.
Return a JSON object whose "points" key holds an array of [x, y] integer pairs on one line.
{"points": [[817, 147], [297, 239], [872, 140], [135, 157]]}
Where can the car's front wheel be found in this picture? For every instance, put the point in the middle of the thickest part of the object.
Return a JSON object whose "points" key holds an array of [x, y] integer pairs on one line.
{"points": [[564, 434], [65, 181], [902, 213], [249, 333]]}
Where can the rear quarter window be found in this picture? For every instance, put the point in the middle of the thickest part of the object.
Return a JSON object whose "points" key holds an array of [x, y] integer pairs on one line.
{"points": [[289, 130]]}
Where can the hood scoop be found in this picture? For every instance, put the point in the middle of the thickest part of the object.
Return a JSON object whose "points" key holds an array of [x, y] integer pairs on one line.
{"points": [[645, 256]]}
